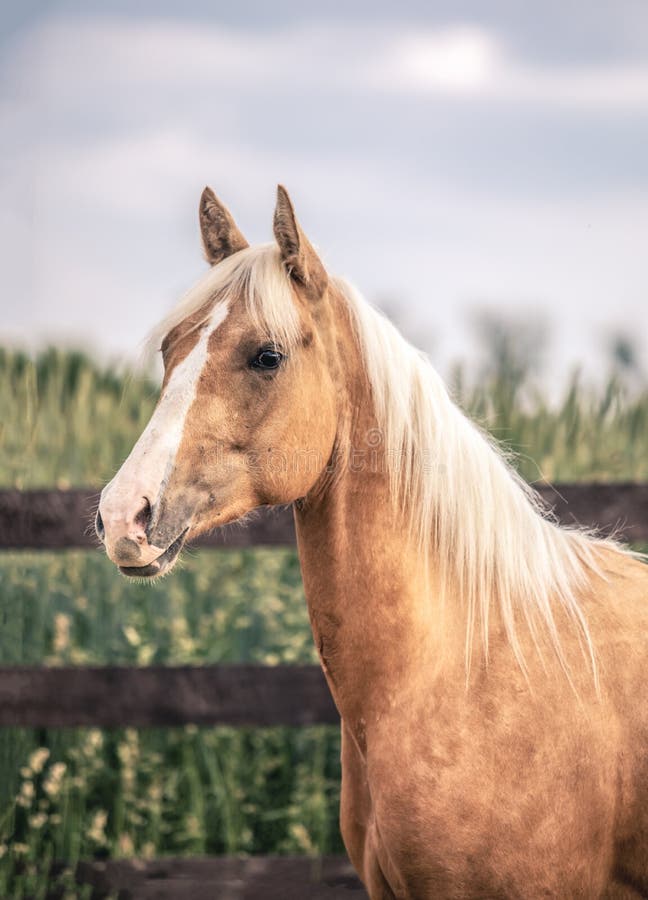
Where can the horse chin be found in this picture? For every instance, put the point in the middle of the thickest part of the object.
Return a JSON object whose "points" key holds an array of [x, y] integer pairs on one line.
{"points": [[160, 566]]}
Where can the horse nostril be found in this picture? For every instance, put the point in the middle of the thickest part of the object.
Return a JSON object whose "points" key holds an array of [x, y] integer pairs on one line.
{"points": [[99, 526], [143, 517]]}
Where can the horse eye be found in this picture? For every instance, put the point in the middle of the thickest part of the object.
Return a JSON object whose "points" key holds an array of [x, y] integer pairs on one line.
{"points": [[267, 359]]}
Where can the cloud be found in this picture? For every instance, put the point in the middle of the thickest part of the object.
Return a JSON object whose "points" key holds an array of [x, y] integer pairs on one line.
{"points": [[472, 62], [456, 60]]}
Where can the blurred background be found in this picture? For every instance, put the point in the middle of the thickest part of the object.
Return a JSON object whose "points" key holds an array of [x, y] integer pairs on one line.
{"points": [[445, 156], [480, 171]]}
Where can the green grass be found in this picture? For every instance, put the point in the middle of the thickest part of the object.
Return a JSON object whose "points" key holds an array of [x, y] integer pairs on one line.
{"points": [[150, 792], [64, 421]]}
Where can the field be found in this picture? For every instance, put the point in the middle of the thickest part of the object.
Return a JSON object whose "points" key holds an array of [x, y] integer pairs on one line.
{"points": [[146, 792]]}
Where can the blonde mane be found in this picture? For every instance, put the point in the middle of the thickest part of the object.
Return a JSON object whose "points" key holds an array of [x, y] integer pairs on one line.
{"points": [[491, 538], [489, 535]]}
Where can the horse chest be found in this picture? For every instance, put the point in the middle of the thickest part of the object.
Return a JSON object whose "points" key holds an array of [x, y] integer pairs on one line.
{"points": [[456, 823]]}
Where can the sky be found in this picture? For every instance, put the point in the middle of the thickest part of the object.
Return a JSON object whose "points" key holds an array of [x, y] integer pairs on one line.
{"points": [[447, 157]]}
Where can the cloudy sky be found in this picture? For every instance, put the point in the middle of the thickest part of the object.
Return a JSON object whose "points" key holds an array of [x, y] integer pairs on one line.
{"points": [[447, 157]]}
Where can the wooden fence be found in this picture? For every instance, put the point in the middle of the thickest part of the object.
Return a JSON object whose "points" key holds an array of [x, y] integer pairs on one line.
{"points": [[55, 520], [116, 696]]}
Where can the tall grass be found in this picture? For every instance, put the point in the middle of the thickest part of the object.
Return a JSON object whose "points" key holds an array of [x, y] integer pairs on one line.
{"points": [[64, 421], [149, 792]]}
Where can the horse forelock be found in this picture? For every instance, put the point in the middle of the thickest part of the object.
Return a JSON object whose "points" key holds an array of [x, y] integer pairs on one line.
{"points": [[255, 276]]}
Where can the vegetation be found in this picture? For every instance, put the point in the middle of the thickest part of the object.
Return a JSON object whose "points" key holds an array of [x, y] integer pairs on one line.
{"points": [[64, 421]]}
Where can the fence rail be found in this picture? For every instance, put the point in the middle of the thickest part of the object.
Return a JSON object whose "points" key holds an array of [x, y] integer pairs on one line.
{"points": [[55, 520], [221, 878], [120, 696], [113, 696]]}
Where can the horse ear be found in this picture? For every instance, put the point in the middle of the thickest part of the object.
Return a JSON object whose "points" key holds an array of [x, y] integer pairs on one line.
{"points": [[299, 257], [220, 234]]}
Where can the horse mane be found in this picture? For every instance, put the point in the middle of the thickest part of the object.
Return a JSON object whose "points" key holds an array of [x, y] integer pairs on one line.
{"points": [[492, 540]]}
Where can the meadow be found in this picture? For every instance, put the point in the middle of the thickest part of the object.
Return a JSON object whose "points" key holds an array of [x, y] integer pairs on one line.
{"points": [[89, 793]]}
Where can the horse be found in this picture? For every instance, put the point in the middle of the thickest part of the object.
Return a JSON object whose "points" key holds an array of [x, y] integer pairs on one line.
{"points": [[489, 667]]}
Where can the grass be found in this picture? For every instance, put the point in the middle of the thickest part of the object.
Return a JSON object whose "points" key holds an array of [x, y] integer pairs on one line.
{"points": [[147, 792], [150, 792]]}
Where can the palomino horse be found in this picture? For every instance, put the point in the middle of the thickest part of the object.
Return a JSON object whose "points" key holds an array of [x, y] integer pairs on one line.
{"points": [[489, 667]]}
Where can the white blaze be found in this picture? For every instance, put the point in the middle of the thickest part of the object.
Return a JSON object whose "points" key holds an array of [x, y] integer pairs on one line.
{"points": [[151, 461]]}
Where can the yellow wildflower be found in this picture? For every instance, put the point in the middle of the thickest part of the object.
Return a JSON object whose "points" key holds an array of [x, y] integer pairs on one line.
{"points": [[54, 780], [38, 759], [61, 632]]}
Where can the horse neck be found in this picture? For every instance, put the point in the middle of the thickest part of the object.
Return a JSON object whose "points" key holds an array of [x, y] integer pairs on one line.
{"points": [[370, 593]]}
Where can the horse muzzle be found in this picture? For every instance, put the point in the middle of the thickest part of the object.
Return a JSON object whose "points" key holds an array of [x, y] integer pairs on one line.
{"points": [[142, 540], [160, 564]]}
